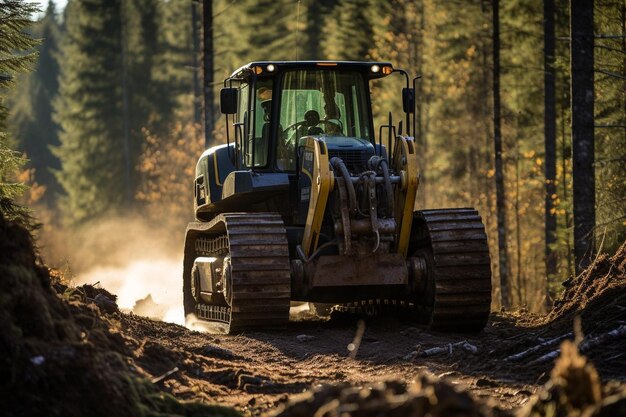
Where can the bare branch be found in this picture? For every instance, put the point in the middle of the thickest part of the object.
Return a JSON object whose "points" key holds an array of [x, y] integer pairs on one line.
{"points": [[611, 74], [610, 49], [609, 36]]}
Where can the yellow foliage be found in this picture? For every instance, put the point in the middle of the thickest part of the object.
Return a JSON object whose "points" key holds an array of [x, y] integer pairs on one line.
{"points": [[167, 166], [35, 191]]}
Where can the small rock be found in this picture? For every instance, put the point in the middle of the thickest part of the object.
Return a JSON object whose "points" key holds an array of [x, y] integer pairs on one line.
{"points": [[305, 338], [37, 360], [218, 352], [468, 347], [245, 379], [105, 303], [484, 382]]}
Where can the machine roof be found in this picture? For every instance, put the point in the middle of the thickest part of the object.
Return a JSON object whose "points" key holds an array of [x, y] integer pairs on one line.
{"points": [[281, 65]]}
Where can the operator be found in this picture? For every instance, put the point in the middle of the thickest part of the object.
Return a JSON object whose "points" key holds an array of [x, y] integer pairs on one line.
{"points": [[332, 122], [264, 95]]}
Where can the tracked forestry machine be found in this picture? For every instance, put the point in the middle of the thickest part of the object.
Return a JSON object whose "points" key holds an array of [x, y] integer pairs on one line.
{"points": [[306, 203]]}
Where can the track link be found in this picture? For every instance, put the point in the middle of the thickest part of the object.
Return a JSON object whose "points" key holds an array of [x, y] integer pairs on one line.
{"points": [[253, 248]]}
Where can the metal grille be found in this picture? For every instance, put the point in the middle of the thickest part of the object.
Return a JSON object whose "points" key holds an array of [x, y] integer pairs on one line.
{"points": [[213, 313], [212, 246], [354, 160]]}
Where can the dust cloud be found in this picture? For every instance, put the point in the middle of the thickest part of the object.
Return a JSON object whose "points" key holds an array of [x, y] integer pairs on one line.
{"points": [[138, 261], [148, 287]]}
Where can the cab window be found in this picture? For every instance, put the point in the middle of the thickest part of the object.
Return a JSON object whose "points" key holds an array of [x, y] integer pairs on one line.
{"points": [[320, 103]]}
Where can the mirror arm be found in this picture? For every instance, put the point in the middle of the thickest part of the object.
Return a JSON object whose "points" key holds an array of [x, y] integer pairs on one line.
{"points": [[408, 121], [415, 105]]}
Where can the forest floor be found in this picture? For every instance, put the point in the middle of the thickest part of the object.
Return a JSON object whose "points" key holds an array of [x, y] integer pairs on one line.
{"points": [[76, 353], [258, 371]]}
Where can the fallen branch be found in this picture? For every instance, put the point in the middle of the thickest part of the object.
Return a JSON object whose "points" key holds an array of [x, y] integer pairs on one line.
{"points": [[586, 345], [165, 375], [465, 345], [534, 349]]}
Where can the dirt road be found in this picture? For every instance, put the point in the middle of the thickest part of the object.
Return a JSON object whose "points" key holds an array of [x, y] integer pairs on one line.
{"points": [[256, 371]]}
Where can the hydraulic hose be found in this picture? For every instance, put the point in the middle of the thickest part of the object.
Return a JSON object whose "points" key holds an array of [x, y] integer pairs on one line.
{"points": [[338, 165], [388, 186], [377, 163]]}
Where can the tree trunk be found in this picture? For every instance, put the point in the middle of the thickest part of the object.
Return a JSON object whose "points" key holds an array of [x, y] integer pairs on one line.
{"points": [[420, 135], [125, 107], [197, 94], [550, 142], [581, 61], [207, 46], [497, 140]]}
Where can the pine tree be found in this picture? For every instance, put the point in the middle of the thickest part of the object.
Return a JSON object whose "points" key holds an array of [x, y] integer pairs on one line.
{"points": [[312, 15], [271, 30], [348, 34], [500, 192], [16, 56], [112, 88], [583, 131], [31, 119], [89, 110], [610, 121], [550, 139]]}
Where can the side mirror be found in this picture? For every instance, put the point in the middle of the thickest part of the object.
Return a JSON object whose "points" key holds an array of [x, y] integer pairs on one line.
{"points": [[408, 100], [228, 100]]}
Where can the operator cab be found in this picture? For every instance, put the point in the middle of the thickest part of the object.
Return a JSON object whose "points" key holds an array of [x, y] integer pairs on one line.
{"points": [[280, 103], [271, 109]]}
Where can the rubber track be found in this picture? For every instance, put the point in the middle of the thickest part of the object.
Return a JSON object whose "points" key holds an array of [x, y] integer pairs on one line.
{"points": [[461, 269], [260, 271]]}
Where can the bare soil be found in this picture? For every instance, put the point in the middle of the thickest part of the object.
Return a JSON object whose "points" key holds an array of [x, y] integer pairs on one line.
{"points": [[69, 351], [256, 372]]}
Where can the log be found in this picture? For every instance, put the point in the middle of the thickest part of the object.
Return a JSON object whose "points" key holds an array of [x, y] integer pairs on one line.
{"points": [[586, 345], [537, 348], [465, 345]]}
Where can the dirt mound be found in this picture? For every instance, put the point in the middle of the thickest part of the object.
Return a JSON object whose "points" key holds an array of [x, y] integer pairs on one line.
{"points": [[598, 298], [60, 355], [426, 396], [598, 294]]}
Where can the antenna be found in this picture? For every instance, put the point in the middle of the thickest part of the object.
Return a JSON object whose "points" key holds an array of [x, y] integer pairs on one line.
{"points": [[297, 27]]}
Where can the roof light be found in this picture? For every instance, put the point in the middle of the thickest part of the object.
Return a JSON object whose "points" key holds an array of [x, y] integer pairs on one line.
{"points": [[387, 70], [257, 70], [375, 68], [271, 67]]}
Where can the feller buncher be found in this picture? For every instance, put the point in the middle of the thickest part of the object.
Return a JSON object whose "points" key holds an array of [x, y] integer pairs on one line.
{"points": [[306, 203]]}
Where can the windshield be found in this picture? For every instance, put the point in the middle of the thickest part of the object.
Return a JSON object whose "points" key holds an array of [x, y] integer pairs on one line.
{"points": [[320, 103]]}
